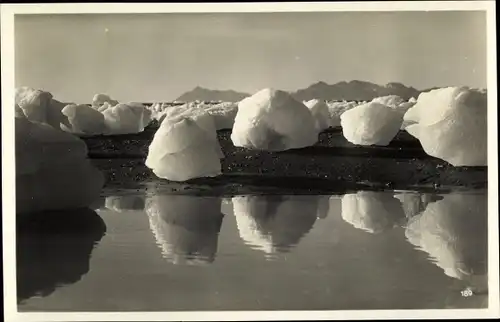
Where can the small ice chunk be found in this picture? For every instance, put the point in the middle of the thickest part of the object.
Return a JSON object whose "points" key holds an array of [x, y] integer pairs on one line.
{"points": [[124, 119], [397, 103], [101, 99], [39, 106], [371, 124], [451, 124], [336, 109], [52, 169], [273, 120], [393, 101], [84, 120], [320, 112], [224, 114], [184, 148]]}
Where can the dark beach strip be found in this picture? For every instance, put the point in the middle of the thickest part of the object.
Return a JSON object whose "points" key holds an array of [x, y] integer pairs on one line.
{"points": [[332, 165]]}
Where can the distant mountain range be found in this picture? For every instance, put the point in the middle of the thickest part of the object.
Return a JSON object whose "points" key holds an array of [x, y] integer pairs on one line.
{"points": [[203, 94], [354, 91], [351, 91]]}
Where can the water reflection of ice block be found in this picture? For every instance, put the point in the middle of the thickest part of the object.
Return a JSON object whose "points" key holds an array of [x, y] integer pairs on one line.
{"points": [[454, 232], [323, 206], [54, 249], [185, 227], [372, 211], [414, 203], [227, 206], [334, 205], [274, 224], [124, 203], [98, 204]]}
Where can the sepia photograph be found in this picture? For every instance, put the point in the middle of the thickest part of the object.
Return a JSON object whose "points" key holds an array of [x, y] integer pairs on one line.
{"points": [[246, 161]]}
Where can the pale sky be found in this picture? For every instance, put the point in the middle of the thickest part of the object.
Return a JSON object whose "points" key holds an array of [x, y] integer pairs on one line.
{"points": [[157, 57]]}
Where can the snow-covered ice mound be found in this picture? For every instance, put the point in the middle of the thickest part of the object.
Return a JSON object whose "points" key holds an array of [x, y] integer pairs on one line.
{"points": [[372, 211], [39, 106], [336, 109], [103, 107], [184, 148], [125, 203], [371, 124], [157, 112], [320, 113], [274, 224], [104, 116], [84, 120], [103, 99], [389, 100], [451, 124], [126, 118], [224, 114], [122, 118], [397, 103], [52, 169], [454, 232], [186, 228], [273, 120], [147, 115]]}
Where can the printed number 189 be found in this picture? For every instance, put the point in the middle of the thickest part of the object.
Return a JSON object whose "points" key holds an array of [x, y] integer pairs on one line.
{"points": [[466, 293]]}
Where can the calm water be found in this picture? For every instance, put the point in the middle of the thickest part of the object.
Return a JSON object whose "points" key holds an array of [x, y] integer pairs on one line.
{"points": [[365, 250]]}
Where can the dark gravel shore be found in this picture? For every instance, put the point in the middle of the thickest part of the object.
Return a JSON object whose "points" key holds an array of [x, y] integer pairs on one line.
{"points": [[333, 164]]}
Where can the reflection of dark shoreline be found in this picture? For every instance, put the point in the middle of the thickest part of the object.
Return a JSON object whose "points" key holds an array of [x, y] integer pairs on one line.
{"points": [[54, 248], [228, 185]]}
